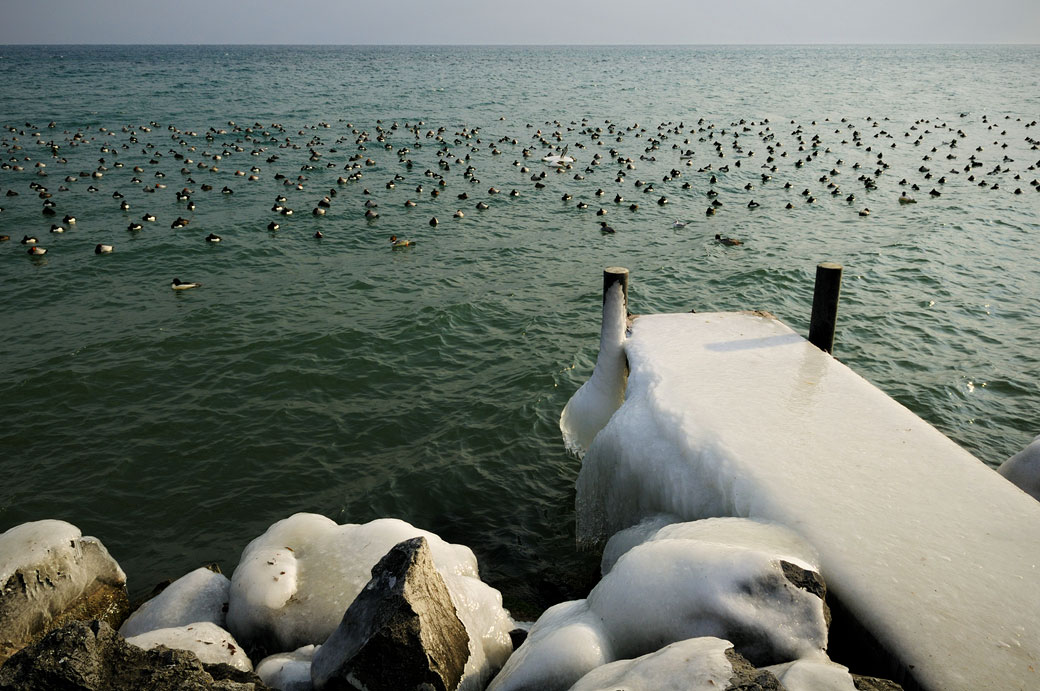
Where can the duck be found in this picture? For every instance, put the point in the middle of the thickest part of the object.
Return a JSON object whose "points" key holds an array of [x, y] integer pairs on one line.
{"points": [[679, 224], [150, 218], [318, 235], [273, 226], [604, 228], [35, 251], [179, 223], [434, 221], [29, 240], [213, 238], [56, 228], [906, 199], [459, 214], [69, 219], [102, 249], [178, 284], [728, 242], [864, 212], [395, 243], [753, 204]]}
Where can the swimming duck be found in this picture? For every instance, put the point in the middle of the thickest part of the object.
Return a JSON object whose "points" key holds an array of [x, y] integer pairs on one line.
{"points": [[178, 284], [29, 240], [212, 238], [905, 199], [148, 217], [604, 228], [729, 242], [273, 226], [103, 249], [395, 243], [864, 212], [459, 214], [35, 251], [679, 224], [56, 228], [179, 223], [318, 235]]}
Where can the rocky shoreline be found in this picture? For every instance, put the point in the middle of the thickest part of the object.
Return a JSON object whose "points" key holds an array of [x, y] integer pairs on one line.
{"points": [[717, 603]]}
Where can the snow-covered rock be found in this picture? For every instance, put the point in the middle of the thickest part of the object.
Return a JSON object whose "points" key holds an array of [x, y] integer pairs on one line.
{"points": [[50, 574], [813, 675], [294, 583], [210, 643], [695, 664], [288, 671], [201, 595], [1023, 469], [670, 589]]}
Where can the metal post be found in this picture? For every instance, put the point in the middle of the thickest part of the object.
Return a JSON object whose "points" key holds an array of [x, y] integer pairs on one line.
{"points": [[825, 306]]}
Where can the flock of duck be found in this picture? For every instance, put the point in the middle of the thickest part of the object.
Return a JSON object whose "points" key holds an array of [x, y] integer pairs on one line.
{"points": [[323, 166]]}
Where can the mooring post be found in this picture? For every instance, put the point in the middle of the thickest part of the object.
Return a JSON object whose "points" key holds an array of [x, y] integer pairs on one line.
{"points": [[612, 275], [825, 305]]}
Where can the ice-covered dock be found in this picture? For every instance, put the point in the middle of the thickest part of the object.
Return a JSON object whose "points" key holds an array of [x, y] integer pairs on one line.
{"points": [[933, 553]]}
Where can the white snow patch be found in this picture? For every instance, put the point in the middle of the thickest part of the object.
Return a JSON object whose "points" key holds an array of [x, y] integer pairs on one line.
{"points": [[294, 583], [591, 406], [1023, 469], [50, 541], [695, 664], [212, 644], [733, 532], [201, 595], [813, 675], [288, 671]]}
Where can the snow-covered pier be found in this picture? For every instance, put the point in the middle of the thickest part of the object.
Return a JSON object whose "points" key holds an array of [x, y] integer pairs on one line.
{"points": [[931, 552]]}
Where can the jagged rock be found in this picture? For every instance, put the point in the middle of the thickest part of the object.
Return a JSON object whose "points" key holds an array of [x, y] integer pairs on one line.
{"points": [[401, 632], [201, 595], [212, 644], [91, 656], [694, 664], [49, 575]]}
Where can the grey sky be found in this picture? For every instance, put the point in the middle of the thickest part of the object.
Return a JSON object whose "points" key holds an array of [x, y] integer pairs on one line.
{"points": [[520, 21]]}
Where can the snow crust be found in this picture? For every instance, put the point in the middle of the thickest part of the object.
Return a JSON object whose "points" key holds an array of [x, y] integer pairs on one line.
{"points": [[1023, 469], [669, 589], [813, 675], [288, 671], [733, 414], [53, 542], [695, 664], [201, 595], [591, 406], [212, 644], [294, 583], [745, 533]]}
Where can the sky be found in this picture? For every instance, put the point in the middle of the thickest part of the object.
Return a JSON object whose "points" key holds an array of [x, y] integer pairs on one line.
{"points": [[539, 22]]}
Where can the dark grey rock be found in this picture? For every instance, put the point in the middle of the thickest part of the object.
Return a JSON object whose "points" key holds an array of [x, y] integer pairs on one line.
{"points": [[746, 677], [810, 581], [874, 684], [91, 656], [400, 633]]}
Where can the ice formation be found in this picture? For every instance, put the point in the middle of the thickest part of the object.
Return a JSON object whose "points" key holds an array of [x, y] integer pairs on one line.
{"points": [[591, 406], [294, 582], [201, 595], [733, 532], [733, 414], [669, 589], [52, 541], [1023, 469], [212, 644], [813, 675], [288, 671], [695, 664]]}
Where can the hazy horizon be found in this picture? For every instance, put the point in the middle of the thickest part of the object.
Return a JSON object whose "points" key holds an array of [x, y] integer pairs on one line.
{"points": [[509, 22]]}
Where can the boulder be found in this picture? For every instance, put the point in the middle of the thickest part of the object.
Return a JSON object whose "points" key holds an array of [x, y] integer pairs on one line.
{"points": [[210, 643], [402, 631], [719, 579], [91, 656], [201, 595], [51, 574], [1023, 469], [294, 582], [695, 664]]}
